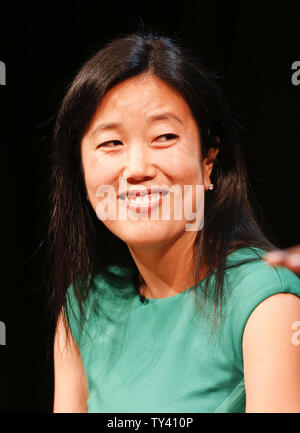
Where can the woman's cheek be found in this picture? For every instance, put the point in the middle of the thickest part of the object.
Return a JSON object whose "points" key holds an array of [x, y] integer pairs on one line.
{"points": [[97, 172], [184, 159], [184, 169]]}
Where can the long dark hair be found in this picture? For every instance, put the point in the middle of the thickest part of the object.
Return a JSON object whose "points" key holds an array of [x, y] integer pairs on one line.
{"points": [[80, 245]]}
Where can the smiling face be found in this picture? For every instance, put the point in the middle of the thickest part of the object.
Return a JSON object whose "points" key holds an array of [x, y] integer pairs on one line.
{"points": [[143, 131]]}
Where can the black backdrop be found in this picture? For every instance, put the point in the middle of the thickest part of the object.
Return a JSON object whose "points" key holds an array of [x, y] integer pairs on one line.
{"points": [[253, 43]]}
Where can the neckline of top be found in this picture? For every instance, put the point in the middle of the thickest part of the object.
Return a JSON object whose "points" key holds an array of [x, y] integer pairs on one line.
{"points": [[172, 298], [166, 299]]}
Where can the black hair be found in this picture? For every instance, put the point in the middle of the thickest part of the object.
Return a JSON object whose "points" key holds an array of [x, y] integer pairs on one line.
{"points": [[80, 246]]}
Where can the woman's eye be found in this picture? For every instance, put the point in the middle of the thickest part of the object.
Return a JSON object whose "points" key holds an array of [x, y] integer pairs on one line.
{"points": [[166, 137], [111, 143], [162, 139]]}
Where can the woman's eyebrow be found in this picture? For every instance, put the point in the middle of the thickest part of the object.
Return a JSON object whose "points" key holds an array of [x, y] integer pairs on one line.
{"points": [[154, 117], [165, 115], [105, 126]]}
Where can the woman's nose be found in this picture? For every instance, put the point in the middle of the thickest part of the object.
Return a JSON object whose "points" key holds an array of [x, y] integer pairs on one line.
{"points": [[139, 164]]}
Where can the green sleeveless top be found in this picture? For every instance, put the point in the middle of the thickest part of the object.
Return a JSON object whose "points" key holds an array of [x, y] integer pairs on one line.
{"points": [[160, 356]]}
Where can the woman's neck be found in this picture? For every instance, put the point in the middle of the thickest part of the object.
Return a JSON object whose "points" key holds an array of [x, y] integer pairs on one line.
{"points": [[167, 268]]}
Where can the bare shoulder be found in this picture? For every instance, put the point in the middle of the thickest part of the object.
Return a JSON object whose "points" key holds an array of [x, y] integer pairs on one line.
{"points": [[271, 352]]}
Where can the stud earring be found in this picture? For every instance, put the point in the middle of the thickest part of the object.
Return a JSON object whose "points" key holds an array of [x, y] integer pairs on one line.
{"points": [[210, 186]]}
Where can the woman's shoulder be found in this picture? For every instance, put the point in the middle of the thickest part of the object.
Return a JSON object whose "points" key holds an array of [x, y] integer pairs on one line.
{"points": [[250, 284], [110, 290], [113, 284]]}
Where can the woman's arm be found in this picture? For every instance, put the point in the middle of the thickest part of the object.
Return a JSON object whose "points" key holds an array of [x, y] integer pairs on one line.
{"points": [[70, 383], [271, 351]]}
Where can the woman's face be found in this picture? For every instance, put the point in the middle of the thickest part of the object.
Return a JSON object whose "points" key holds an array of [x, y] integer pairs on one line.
{"points": [[144, 132]]}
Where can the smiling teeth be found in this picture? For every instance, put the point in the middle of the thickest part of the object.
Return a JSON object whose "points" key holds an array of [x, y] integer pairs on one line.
{"points": [[148, 198]]}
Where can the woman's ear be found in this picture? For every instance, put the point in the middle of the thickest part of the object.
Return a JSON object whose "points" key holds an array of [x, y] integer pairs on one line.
{"points": [[208, 164]]}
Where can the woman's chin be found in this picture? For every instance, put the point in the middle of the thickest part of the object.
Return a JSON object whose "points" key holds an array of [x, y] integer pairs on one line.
{"points": [[139, 233]]}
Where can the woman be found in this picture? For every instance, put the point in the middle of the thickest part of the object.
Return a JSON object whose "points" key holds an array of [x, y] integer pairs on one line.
{"points": [[163, 317]]}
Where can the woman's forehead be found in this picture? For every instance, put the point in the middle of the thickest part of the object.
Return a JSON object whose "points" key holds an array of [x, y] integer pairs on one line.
{"points": [[147, 96]]}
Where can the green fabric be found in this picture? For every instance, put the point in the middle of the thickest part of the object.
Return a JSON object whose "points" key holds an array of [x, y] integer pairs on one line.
{"points": [[160, 356]]}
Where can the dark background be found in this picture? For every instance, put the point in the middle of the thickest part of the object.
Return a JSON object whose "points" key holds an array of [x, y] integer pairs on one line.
{"points": [[253, 43]]}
